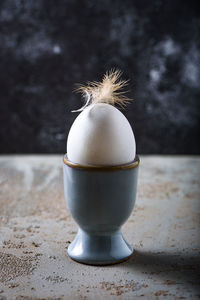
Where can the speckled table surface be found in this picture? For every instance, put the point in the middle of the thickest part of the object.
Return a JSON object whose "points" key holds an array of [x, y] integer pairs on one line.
{"points": [[36, 229]]}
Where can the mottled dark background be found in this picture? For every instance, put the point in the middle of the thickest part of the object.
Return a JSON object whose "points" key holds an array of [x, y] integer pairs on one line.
{"points": [[47, 46]]}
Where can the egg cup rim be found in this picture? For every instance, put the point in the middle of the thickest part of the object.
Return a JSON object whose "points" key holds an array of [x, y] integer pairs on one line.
{"points": [[133, 164]]}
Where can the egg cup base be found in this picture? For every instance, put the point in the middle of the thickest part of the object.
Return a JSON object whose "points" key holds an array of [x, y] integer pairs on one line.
{"points": [[95, 249]]}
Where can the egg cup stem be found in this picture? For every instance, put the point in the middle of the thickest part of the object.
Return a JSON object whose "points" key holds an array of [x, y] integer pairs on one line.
{"points": [[99, 249]]}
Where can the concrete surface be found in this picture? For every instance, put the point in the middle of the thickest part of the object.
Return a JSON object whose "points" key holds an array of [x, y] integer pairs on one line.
{"points": [[36, 229]]}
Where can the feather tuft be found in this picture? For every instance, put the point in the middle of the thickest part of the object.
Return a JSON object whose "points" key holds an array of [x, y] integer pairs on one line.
{"points": [[108, 91]]}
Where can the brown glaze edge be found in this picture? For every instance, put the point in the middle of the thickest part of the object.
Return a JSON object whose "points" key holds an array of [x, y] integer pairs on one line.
{"points": [[133, 164]]}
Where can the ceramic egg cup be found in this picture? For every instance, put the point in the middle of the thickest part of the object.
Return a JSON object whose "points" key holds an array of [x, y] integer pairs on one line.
{"points": [[100, 199]]}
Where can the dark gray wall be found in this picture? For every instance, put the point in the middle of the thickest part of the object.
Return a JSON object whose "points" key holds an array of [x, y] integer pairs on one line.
{"points": [[47, 46]]}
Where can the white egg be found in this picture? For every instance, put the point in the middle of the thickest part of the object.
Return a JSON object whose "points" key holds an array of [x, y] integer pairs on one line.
{"points": [[101, 135]]}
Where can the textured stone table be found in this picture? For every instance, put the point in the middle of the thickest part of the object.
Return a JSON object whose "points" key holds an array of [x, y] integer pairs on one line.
{"points": [[36, 229]]}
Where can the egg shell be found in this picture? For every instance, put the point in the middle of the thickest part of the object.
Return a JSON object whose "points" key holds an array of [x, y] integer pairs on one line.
{"points": [[101, 135]]}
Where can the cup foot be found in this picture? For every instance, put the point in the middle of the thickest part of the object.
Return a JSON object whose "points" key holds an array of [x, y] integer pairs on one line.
{"points": [[104, 249]]}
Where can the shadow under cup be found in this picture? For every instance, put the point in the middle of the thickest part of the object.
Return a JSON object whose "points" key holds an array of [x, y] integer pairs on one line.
{"points": [[100, 199]]}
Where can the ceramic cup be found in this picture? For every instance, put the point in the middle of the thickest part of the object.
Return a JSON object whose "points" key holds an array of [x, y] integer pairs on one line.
{"points": [[100, 200]]}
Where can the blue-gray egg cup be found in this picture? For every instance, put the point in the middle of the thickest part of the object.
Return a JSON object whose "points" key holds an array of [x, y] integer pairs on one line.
{"points": [[100, 199]]}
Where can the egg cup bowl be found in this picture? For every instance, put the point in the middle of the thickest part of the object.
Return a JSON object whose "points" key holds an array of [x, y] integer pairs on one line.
{"points": [[100, 200]]}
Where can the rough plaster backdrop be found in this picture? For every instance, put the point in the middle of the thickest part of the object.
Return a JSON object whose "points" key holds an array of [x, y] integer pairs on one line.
{"points": [[47, 46]]}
